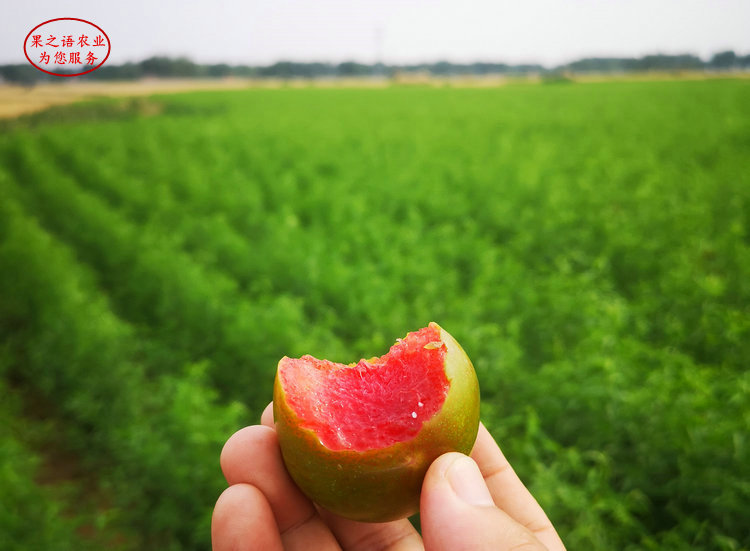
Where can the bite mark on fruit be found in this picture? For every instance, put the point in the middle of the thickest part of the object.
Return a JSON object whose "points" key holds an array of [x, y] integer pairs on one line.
{"points": [[373, 403]]}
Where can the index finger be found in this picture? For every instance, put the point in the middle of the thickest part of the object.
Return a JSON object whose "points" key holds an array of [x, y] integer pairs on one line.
{"points": [[266, 417], [509, 493]]}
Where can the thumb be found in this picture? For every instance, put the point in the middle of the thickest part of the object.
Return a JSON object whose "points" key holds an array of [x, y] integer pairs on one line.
{"points": [[457, 511]]}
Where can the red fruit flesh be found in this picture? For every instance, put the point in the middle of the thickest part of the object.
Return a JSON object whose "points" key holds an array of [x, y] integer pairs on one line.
{"points": [[374, 403]]}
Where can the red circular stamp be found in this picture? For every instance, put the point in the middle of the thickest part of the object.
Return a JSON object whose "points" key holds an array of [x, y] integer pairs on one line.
{"points": [[67, 47]]}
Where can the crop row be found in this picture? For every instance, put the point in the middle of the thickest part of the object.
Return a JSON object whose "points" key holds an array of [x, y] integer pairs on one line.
{"points": [[135, 433]]}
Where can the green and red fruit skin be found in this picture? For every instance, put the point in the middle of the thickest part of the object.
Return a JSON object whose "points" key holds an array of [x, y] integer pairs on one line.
{"points": [[380, 485]]}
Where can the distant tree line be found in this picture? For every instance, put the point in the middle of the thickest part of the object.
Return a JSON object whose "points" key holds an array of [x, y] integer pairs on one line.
{"points": [[165, 67]]}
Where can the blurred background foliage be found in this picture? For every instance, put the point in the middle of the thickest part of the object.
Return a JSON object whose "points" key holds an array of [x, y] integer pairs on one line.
{"points": [[588, 244], [182, 67]]}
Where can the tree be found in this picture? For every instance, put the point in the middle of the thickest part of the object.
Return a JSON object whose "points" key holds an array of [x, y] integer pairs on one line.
{"points": [[724, 60]]}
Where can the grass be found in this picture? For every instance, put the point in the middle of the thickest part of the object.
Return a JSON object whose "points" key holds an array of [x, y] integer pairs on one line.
{"points": [[588, 244]]}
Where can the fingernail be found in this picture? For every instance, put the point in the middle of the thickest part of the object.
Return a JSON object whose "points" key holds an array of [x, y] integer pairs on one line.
{"points": [[467, 482]]}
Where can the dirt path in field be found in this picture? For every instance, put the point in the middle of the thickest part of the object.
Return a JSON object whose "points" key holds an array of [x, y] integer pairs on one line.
{"points": [[18, 100]]}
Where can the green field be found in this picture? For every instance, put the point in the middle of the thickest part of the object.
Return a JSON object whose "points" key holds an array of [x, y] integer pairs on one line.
{"points": [[588, 244]]}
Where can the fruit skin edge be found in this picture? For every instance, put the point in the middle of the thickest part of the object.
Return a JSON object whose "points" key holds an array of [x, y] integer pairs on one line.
{"points": [[383, 484]]}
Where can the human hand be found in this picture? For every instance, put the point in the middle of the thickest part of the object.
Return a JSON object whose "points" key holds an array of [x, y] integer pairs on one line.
{"points": [[476, 504]]}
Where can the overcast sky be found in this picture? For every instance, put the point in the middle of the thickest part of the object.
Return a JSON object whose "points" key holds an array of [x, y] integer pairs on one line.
{"points": [[395, 31]]}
